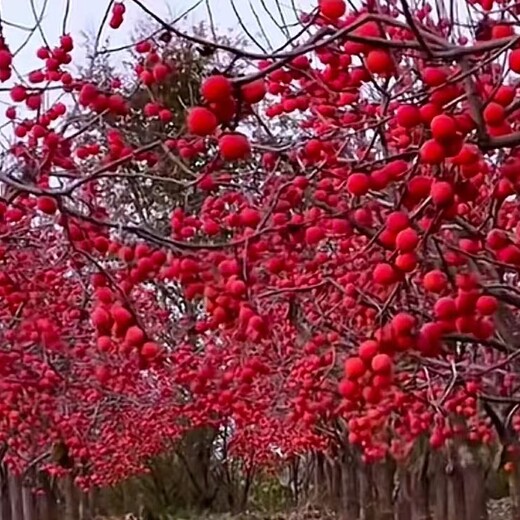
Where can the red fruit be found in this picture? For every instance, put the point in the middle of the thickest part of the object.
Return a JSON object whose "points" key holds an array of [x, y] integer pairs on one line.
{"points": [[6, 59], [397, 221], [496, 239], [134, 335], [354, 368], [434, 77], [160, 72], [406, 240], [514, 60], [368, 349], [332, 9], [403, 323], [66, 42], [237, 288], [432, 152], [382, 364], [435, 281], [254, 91], [445, 308], [47, 205], [348, 389], [233, 147], [379, 62], [150, 350], [250, 217], [487, 305], [102, 374], [408, 116], [441, 193], [201, 121], [443, 127], [100, 318], [494, 114], [406, 262], [122, 317], [18, 93], [358, 184], [313, 235], [216, 88], [384, 274]]}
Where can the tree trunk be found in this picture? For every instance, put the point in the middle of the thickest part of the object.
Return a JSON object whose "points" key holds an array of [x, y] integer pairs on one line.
{"points": [[15, 496], [474, 484], [29, 511], [420, 494], [439, 492], [319, 477], [5, 504], [455, 488], [514, 491], [69, 492], [350, 485], [366, 486], [403, 506], [383, 480]]}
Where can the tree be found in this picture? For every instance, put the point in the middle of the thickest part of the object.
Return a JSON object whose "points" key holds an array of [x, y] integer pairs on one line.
{"points": [[352, 285]]}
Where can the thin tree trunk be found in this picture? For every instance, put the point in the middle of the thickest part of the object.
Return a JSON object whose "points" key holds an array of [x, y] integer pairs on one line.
{"points": [[456, 502], [15, 496], [29, 512], [5, 504], [350, 485], [404, 504], [439, 492], [420, 494], [514, 492], [474, 485], [366, 486], [383, 486], [71, 504]]}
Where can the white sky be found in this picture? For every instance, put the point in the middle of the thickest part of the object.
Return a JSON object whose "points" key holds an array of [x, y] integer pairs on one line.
{"points": [[87, 15]]}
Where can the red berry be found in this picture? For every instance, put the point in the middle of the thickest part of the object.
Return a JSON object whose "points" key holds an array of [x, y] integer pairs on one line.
{"points": [[254, 91], [443, 127], [47, 205], [403, 323], [384, 274], [348, 389], [135, 335], [379, 62], [66, 42], [18, 93], [435, 281], [494, 114], [314, 235], [121, 316], [150, 350], [233, 147], [216, 88], [445, 308], [332, 9], [382, 364], [487, 305], [407, 240], [201, 121], [408, 116], [6, 59], [434, 77], [432, 152], [368, 349], [441, 193], [397, 221], [354, 368], [358, 184], [514, 61]]}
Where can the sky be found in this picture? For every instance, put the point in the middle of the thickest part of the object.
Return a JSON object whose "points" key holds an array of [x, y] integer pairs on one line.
{"points": [[86, 15], [18, 17]]}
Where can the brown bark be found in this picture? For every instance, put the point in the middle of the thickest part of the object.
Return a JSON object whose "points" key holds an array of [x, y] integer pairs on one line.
{"points": [[5, 504], [455, 492], [15, 497], [366, 487], [383, 477], [29, 512], [514, 492], [439, 492], [71, 503], [474, 485], [350, 485], [403, 507]]}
